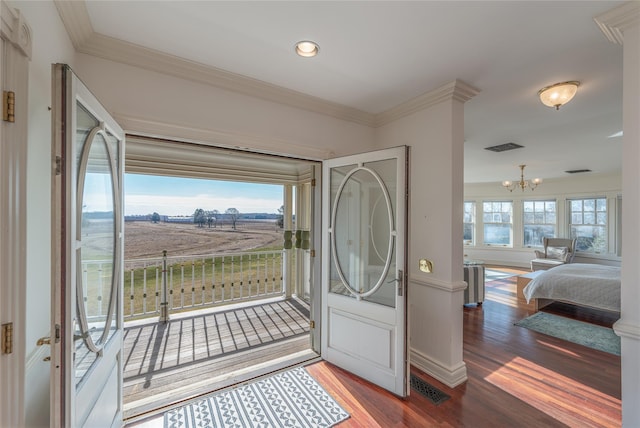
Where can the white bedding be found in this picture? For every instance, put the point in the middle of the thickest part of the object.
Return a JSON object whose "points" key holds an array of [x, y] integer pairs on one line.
{"points": [[584, 284]]}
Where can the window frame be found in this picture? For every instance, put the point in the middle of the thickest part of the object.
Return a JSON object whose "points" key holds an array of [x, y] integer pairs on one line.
{"points": [[472, 223], [604, 227], [544, 213], [493, 214]]}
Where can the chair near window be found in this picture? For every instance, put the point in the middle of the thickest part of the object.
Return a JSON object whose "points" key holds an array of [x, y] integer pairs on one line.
{"points": [[557, 251]]}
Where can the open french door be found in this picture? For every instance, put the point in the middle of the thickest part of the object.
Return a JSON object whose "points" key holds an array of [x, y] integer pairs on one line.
{"points": [[364, 306], [86, 342]]}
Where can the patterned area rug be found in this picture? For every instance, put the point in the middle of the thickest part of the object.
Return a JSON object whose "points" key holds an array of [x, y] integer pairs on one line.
{"points": [[288, 399], [582, 333]]}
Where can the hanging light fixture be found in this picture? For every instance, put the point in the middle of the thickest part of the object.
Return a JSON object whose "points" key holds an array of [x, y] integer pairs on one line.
{"points": [[522, 184], [559, 94]]}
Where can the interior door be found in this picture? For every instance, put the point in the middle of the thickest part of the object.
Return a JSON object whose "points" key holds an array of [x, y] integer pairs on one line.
{"points": [[87, 250], [364, 319]]}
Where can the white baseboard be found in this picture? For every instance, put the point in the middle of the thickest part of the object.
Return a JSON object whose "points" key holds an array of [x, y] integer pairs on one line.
{"points": [[450, 376]]}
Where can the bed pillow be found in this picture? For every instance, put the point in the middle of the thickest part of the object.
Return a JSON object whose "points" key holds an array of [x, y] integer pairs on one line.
{"points": [[558, 253]]}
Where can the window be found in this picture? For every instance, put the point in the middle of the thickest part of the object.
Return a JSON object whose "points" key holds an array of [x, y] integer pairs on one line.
{"points": [[496, 217], [588, 223], [469, 220], [539, 221]]}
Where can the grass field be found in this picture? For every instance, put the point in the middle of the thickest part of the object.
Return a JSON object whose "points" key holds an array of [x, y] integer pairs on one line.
{"points": [[203, 280], [146, 239]]}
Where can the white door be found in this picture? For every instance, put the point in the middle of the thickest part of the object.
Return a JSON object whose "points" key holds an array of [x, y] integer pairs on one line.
{"points": [[364, 320], [87, 216]]}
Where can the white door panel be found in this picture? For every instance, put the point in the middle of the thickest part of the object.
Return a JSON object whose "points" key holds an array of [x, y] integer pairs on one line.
{"points": [[86, 381], [364, 320]]}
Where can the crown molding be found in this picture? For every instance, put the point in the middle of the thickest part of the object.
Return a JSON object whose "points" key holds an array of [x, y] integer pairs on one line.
{"points": [[75, 17], [15, 29], [614, 22], [76, 20], [456, 90], [232, 140]]}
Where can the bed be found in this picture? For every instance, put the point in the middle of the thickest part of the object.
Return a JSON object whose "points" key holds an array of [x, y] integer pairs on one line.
{"points": [[583, 284]]}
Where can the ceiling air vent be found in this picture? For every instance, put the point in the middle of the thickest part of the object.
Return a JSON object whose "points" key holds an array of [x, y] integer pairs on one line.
{"points": [[577, 171], [504, 147]]}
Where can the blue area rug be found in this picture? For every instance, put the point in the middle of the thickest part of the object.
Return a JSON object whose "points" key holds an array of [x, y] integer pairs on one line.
{"points": [[582, 333], [288, 399]]}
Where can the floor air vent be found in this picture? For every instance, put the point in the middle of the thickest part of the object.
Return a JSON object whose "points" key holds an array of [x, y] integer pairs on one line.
{"points": [[504, 147], [432, 393]]}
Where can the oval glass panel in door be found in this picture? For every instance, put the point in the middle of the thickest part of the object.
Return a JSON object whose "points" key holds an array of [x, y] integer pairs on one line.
{"points": [[363, 236], [97, 234]]}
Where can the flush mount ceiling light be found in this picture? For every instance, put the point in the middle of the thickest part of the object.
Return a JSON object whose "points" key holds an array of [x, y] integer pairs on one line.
{"points": [[307, 48], [559, 94], [522, 184]]}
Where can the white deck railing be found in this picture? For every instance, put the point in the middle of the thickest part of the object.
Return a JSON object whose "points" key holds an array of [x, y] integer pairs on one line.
{"points": [[193, 282]]}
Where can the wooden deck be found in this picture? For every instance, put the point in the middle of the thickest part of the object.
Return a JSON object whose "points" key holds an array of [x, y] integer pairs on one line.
{"points": [[169, 362]]}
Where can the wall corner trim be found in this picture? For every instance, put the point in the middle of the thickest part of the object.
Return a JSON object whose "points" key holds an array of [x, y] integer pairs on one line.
{"points": [[456, 90], [613, 22], [439, 284], [627, 329]]}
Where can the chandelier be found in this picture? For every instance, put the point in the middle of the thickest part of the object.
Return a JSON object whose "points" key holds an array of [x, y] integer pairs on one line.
{"points": [[522, 184]]}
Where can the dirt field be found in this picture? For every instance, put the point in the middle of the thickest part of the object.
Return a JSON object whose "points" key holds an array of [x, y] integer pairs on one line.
{"points": [[146, 239]]}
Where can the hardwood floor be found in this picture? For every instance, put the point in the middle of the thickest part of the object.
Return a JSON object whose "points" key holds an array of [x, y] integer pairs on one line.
{"points": [[516, 378]]}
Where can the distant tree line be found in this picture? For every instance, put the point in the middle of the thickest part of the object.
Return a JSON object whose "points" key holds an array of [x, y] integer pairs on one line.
{"points": [[211, 218]]}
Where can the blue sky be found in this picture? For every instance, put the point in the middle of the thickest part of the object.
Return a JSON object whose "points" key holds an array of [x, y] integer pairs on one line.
{"points": [[145, 194]]}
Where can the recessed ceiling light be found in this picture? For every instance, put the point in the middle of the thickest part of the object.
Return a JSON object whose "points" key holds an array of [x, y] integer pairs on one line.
{"points": [[307, 48]]}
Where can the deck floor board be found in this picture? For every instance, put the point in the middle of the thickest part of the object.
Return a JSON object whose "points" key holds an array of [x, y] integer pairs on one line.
{"points": [[161, 360]]}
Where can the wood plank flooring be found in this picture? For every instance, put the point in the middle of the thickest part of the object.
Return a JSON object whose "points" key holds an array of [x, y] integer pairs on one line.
{"points": [[168, 362], [516, 378]]}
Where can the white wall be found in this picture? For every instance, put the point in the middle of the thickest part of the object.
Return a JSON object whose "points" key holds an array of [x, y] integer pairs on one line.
{"points": [[560, 189], [435, 138], [148, 102], [50, 44]]}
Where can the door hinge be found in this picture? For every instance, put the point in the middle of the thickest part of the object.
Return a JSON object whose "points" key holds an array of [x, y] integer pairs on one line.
{"points": [[312, 253], [8, 106], [312, 324], [7, 338], [58, 165], [313, 182]]}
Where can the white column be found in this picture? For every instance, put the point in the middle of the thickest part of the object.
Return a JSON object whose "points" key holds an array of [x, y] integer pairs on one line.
{"points": [[435, 134], [15, 36], [622, 25], [303, 220], [288, 278]]}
